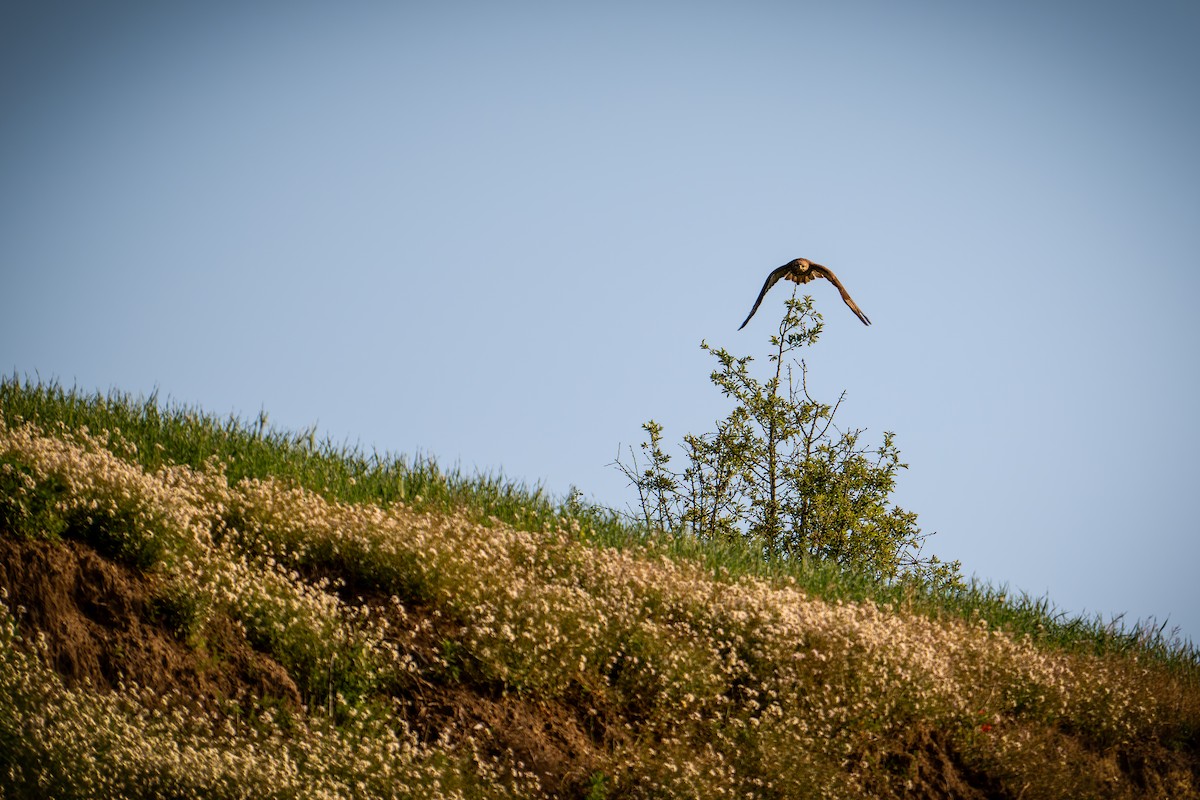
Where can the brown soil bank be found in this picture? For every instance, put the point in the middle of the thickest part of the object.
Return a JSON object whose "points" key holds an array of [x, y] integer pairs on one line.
{"points": [[102, 626]]}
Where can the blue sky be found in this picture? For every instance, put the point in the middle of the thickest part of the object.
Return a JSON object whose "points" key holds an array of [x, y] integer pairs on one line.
{"points": [[497, 233]]}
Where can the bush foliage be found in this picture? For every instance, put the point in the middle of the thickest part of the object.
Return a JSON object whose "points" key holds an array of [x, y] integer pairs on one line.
{"points": [[779, 473]]}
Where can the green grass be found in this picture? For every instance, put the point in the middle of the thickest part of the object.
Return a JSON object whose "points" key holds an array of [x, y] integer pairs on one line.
{"points": [[177, 434], [438, 631]]}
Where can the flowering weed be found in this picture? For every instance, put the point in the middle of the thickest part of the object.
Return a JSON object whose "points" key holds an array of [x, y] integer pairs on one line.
{"points": [[441, 652]]}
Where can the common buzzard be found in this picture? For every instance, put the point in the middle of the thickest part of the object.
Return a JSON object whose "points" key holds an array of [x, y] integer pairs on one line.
{"points": [[802, 271]]}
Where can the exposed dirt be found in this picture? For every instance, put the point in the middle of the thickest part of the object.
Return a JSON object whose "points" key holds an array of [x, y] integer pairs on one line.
{"points": [[935, 771], [99, 627], [544, 738], [559, 741]]}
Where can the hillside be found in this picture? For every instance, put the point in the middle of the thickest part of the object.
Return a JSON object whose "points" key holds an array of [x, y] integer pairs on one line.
{"points": [[199, 608]]}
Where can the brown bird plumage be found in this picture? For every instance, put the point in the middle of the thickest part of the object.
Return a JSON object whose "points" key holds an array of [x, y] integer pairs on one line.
{"points": [[802, 271]]}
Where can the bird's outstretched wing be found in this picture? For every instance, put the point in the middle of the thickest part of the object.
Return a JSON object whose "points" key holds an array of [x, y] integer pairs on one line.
{"points": [[772, 279], [827, 274]]}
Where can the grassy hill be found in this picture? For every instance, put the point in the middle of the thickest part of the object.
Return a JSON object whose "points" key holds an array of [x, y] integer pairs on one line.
{"points": [[198, 607]]}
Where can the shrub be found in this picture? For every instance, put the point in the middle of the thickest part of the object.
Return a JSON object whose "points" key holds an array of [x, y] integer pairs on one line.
{"points": [[779, 473]]}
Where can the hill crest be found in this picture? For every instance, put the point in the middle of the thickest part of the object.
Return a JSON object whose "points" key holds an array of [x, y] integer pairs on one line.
{"points": [[203, 636]]}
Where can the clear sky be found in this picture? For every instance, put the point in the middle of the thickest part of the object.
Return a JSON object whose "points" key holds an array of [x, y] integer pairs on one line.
{"points": [[496, 233]]}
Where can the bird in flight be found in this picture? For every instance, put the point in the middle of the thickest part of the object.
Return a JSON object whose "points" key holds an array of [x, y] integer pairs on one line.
{"points": [[802, 271]]}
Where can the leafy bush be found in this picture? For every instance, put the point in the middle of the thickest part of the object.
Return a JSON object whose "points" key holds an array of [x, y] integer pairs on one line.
{"points": [[779, 473]]}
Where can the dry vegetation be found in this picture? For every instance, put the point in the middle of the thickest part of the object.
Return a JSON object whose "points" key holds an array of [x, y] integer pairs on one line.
{"points": [[180, 632]]}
